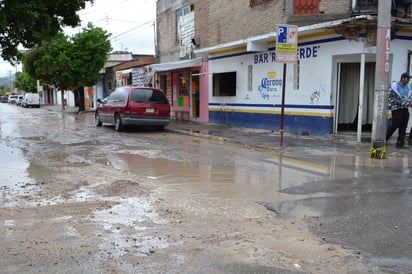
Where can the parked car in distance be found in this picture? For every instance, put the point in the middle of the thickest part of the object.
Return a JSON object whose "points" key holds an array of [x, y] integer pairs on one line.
{"points": [[134, 106], [19, 99], [4, 99], [31, 100], [12, 99]]}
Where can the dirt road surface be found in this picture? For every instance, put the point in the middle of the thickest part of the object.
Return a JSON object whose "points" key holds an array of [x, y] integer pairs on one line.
{"points": [[72, 201]]}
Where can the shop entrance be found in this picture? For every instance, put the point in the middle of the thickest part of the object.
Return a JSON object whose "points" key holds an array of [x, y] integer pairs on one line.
{"points": [[182, 90], [349, 97], [195, 100]]}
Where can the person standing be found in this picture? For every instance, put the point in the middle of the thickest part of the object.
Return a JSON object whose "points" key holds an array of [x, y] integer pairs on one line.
{"points": [[399, 100]]}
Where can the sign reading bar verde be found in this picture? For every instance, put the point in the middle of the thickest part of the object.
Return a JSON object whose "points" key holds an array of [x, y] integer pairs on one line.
{"points": [[286, 44]]}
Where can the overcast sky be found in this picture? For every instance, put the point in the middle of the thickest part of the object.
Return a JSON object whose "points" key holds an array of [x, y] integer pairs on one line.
{"points": [[130, 23]]}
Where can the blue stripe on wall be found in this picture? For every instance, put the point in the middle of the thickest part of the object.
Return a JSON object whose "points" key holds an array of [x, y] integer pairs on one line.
{"points": [[270, 106], [293, 124], [229, 55], [403, 37], [302, 44]]}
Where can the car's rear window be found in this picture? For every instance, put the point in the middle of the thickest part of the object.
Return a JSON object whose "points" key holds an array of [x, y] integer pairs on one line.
{"points": [[148, 96], [119, 95]]}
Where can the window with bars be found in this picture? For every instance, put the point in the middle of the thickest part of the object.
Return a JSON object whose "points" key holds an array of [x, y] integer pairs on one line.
{"points": [[305, 7], [368, 6], [365, 4]]}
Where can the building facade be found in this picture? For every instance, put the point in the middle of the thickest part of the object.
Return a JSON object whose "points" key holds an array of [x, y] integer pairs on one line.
{"points": [[121, 69], [178, 71], [330, 88]]}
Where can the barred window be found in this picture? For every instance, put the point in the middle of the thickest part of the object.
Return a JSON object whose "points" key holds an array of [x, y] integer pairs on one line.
{"points": [[365, 6], [305, 7]]}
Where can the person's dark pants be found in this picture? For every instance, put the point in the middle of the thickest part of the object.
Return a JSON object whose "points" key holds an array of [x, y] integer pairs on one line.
{"points": [[410, 138], [400, 118]]}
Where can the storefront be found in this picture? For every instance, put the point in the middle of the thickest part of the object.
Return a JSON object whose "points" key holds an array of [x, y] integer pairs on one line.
{"points": [[330, 89], [181, 81]]}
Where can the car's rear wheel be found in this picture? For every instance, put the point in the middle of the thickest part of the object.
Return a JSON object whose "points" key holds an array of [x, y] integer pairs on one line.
{"points": [[118, 126], [97, 120]]}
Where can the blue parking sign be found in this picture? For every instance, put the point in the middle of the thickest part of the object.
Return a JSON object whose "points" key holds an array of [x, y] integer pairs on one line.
{"points": [[282, 34], [286, 44]]}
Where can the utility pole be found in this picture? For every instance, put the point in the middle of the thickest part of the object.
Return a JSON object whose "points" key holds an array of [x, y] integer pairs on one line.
{"points": [[382, 73]]}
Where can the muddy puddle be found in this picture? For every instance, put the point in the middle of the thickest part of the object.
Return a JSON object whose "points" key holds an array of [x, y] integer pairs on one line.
{"points": [[13, 167], [265, 183]]}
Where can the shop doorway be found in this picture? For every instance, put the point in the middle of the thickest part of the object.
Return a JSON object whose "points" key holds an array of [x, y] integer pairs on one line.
{"points": [[349, 97], [183, 91], [195, 100]]}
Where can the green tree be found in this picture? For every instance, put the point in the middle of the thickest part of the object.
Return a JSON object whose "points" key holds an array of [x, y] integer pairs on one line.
{"points": [[25, 82], [70, 63], [89, 52], [3, 89], [28, 22]]}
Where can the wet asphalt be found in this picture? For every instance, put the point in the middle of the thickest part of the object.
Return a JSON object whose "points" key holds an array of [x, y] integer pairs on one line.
{"points": [[369, 213]]}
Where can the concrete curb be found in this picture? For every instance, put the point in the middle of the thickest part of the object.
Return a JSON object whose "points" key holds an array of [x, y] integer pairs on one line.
{"points": [[223, 139]]}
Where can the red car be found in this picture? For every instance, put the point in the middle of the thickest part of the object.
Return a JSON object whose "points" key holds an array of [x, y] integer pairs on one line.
{"points": [[134, 106]]}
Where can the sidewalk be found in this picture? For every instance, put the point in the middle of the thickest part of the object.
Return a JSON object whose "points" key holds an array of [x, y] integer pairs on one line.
{"points": [[258, 138], [265, 139]]}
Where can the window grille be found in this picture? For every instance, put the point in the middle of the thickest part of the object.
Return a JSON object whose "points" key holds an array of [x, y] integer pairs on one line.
{"points": [[305, 7]]}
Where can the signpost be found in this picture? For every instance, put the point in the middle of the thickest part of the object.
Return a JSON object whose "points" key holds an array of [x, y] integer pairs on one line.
{"points": [[286, 52], [382, 81]]}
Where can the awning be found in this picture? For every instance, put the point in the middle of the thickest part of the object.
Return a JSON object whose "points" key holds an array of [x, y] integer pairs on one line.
{"points": [[196, 62], [125, 71]]}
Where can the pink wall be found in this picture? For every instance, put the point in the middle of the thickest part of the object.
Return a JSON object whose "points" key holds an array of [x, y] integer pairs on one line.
{"points": [[204, 92]]}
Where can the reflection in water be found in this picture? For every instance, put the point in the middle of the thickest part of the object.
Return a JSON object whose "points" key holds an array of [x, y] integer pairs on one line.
{"points": [[365, 206], [237, 181], [219, 181], [275, 179], [13, 166]]}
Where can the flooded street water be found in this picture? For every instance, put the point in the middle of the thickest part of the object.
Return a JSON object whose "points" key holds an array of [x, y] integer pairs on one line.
{"points": [[143, 201]]}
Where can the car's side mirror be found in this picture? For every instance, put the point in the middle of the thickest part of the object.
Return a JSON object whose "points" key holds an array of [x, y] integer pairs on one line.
{"points": [[99, 101]]}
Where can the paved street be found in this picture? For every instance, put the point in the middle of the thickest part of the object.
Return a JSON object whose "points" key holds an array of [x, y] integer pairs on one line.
{"points": [[370, 211]]}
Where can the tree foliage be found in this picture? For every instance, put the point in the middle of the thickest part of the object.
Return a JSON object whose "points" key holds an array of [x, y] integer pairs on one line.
{"points": [[50, 62], [4, 90], [25, 82], [89, 52], [70, 62], [28, 22]]}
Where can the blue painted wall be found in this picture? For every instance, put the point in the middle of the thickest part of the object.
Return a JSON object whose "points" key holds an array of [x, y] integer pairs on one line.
{"points": [[293, 124]]}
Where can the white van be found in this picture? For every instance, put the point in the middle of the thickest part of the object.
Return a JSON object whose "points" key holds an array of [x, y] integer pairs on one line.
{"points": [[12, 99], [31, 100]]}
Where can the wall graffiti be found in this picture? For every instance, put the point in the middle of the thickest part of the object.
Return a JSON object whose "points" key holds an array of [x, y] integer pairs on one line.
{"points": [[316, 95]]}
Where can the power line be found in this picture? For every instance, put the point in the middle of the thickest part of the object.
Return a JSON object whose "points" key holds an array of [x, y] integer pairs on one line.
{"points": [[130, 30], [114, 38]]}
